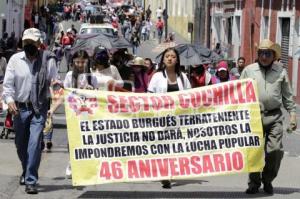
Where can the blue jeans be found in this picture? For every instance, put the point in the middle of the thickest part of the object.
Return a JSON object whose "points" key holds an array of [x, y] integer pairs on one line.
{"points": [[28, 127], [134, 49]]}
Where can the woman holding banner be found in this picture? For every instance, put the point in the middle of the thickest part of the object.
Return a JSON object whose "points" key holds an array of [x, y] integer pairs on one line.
{"points": [[81, 78], [107, 75], [169, 78]]}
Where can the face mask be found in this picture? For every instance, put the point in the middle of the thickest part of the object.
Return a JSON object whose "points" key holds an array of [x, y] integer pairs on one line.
{"points": [[136, 69], [31, 50], [199, 70]]}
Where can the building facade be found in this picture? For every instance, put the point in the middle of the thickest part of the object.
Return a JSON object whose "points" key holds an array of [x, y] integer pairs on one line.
{"points": [[190, 19], [14, 16], [3, 17], [240, 25]]}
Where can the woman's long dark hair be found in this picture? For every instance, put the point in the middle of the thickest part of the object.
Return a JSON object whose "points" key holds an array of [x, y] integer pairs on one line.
{"points": [[162, 65], [83, 55], [152, 68]]}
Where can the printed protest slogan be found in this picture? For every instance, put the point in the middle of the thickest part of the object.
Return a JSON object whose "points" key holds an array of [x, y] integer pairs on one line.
{"points": [[126, 137]]}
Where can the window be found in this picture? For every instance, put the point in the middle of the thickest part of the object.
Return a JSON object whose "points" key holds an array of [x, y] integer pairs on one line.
{"points": [[3, 26], [266, 27], [229, 30], [237, 30]]}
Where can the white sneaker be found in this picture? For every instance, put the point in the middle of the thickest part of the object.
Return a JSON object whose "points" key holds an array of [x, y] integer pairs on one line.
{"points": [[69, 171]]}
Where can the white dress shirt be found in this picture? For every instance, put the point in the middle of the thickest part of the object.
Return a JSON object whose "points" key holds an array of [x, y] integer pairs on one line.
{"points": [[18, 77]]}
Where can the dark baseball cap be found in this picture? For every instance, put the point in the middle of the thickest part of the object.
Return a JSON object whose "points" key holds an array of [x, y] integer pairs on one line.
{"points": [[101, 55]]}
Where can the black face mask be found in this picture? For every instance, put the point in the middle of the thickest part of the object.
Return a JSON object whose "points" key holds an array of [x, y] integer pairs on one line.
{"points": [[266, 67], [31, 50], [198, 70]]}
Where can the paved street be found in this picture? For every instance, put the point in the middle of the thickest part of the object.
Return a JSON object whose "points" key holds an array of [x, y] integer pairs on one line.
{"points": [[53, 184]]}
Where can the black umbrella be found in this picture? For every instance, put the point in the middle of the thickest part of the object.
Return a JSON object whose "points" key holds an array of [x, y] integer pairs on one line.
{"points": [[193, 54], [88, 42]]}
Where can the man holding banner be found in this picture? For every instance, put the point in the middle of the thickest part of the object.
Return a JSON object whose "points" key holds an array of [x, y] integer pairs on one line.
{"points": [[274, 91]]}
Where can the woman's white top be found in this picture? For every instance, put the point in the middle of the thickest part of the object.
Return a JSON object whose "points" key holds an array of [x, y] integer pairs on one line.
{"points": [[159, 83], [107, 74]]}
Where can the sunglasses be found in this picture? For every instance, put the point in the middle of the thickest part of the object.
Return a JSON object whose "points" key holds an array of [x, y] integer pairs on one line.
{"points": [[266, 53]]}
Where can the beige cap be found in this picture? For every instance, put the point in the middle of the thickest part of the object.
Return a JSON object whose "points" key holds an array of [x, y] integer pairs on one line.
{"points": [[32, 34], [138, 61]]}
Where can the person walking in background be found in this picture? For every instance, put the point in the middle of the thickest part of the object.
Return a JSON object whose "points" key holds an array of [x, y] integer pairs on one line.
{"points": [[159, 12], [3, 41], [148, 12], [140, 75], [135, 41], [160, 28], [237, 71], [36, 20], [148, 28], [150, 68], [3, 64], [274, 91], [222, 74], [25, 89], [12, 42], [218, 49], [144, 31]]}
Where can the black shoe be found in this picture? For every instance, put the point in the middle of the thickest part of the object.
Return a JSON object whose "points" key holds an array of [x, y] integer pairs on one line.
{"points": [[31, 189], [22, 180], [252, 190], [42, 145], [268, 188], [49, 145], [166, 184]]}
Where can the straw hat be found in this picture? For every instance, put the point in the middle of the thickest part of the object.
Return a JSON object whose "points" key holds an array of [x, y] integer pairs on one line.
{"points": [[267, 44], [138, 61]]}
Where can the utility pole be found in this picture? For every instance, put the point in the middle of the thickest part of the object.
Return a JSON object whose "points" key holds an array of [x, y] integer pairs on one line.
{"points": [[166, 16]]}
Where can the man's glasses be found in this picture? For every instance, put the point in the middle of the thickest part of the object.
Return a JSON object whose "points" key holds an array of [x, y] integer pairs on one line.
{"points": [[266, 53]]}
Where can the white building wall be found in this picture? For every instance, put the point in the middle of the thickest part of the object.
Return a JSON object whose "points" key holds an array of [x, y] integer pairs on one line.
{"points": [[15, 16], [3, 6]]}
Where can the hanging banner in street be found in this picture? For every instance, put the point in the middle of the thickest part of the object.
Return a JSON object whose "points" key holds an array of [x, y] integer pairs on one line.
{"points": [[126, 137]]}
